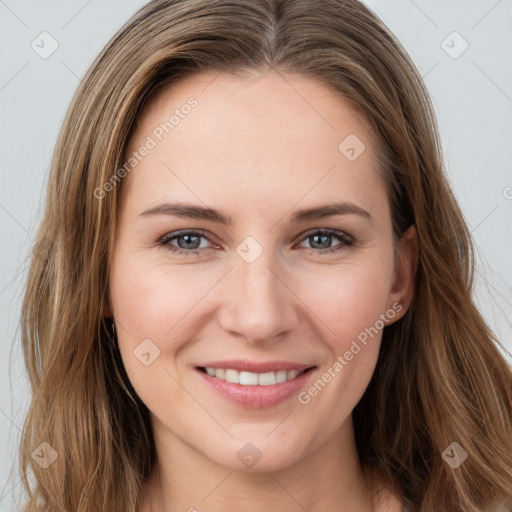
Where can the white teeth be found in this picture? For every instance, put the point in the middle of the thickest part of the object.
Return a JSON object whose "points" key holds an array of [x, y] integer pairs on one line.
{"points": [[248, 379], [232, 376], [251, 378], [281, 376], [267, 379]]}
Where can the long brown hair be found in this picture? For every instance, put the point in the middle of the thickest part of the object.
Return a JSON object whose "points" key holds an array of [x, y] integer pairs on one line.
{"points": [[440, 377]]}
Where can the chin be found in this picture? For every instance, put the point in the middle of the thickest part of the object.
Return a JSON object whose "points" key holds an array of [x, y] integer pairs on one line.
{"points": [[259, 453]]}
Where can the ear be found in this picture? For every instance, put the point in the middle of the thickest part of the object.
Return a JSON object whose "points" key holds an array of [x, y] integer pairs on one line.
{"points": [[402, 289]]}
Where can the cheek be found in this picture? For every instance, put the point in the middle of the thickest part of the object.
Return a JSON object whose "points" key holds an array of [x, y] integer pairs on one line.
{"points": [[157, 302], [350, 304], [152, 308], [348, 300]]}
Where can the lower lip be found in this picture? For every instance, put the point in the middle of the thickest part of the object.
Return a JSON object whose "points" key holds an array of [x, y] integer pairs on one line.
{"points": [[256, 397]]}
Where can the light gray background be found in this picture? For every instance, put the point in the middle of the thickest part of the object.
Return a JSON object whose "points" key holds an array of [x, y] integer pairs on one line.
{"points": [[472, 95]]}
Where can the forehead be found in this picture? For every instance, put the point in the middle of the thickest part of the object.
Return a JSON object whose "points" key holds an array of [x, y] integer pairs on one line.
{"points": [[254, 100], [273, 133]]}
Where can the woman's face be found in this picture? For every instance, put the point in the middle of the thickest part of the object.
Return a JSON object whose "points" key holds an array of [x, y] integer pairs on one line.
{"points": [[284, 282]]}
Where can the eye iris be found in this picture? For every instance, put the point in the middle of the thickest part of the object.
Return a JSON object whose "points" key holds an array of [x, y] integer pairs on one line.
{"points": [[187, 239], [317, 237]]}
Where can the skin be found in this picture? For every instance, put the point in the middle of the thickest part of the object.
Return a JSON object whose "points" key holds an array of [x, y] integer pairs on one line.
{"points": [[258, 148]]}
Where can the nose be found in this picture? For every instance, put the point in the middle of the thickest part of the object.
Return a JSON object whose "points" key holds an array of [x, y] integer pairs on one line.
{"points": [[258, 306]]}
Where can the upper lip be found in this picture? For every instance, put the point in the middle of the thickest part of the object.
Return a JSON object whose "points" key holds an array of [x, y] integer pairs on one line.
{"points": [[243, 365]]}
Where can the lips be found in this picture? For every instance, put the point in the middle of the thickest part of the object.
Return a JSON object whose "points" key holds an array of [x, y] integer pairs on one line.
{"points": [[255, 384]]}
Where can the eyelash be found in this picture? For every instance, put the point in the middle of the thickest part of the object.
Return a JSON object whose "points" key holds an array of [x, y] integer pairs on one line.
{"points": [[346, 241]]}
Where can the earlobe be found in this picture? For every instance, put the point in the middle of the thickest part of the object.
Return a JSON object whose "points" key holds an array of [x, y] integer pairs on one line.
{"points": [[402, 290]]}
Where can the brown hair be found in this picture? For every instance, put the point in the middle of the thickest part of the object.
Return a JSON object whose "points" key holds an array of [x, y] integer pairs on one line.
{"points": [[440, 377]]}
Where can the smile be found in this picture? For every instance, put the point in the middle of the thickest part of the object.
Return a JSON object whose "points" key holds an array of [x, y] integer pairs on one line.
{"points": [[251, 378], [255, 385]]}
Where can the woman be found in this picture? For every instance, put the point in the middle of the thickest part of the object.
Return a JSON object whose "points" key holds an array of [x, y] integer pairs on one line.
{"points": [[252, 287]]}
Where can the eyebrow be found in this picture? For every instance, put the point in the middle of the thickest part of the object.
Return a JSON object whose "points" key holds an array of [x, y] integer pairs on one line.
{"points": [[212, 215]]}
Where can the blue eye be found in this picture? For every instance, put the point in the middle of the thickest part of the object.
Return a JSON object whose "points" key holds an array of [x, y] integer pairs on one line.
{"points": [[325, 237], [189, 241]]}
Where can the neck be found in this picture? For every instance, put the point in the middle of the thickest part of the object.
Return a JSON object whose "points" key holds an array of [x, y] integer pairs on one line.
{"points": [[330, 477]]}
